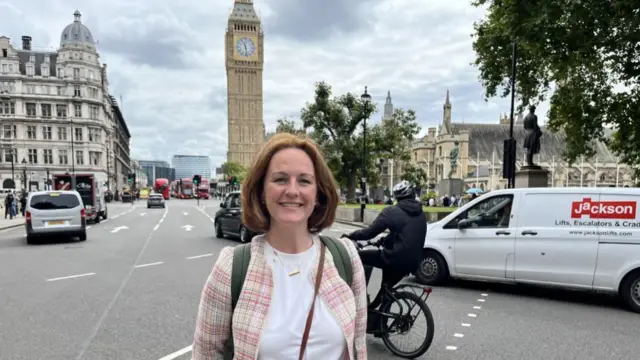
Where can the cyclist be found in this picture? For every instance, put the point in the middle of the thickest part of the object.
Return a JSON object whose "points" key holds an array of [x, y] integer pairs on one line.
{"points": [[402, 248]]}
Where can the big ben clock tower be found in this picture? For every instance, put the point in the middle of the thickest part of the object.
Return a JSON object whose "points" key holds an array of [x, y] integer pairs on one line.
{"points": [[244, 53]]}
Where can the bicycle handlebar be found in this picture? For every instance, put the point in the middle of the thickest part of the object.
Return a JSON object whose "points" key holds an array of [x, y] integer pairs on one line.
{"points": [[360, 246]]}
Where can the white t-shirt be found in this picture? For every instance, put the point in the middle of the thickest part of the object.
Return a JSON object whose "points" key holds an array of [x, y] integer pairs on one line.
{"points": [[289, 308]]}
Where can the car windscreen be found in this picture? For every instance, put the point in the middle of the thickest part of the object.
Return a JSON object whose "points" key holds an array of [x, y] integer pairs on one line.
{"points": [[54, 201]]}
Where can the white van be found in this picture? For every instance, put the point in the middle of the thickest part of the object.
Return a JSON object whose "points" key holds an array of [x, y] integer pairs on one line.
{"points": [[578, 238]]}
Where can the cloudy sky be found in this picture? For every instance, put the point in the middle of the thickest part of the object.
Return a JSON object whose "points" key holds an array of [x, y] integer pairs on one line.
{"points": [[166, 60]]}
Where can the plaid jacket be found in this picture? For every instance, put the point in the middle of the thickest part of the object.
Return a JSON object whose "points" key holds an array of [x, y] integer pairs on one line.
{"points": [[349, 305]]}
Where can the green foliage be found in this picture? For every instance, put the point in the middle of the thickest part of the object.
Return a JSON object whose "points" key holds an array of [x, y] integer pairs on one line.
{"points": [[234, 169], [415, 175], [336, 123], [589, 48], [288, 126]]}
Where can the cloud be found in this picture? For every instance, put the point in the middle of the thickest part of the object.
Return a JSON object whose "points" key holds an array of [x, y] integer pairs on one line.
{"points": [[166, 60]]}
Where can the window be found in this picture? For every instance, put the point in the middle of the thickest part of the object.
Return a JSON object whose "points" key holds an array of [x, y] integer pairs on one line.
{"points": [[61, 110], [91, 75], [31, 132], [31, 109], [76, 73], [76, 90], [94, 112], [94, 135], [60, 72], [30, 89], [233, 201], [9, 131], [45, 110], [93, 92], [79, 157], [7, 107], [78, 134], [32, 58], [61, 90], [7, 155], [44, 70], [493, 212], [62, 133], [77, 109], [63, 157], [31, 70], [94, 158], [46, 132], [47, 155], [55, 201], [33, 156]]}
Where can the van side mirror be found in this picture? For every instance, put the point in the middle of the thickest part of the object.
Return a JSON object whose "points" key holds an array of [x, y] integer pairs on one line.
{"points": [[464, 223], [223, 205]]}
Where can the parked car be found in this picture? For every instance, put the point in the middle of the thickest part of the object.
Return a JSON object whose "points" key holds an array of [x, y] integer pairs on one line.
{"points": [[55, 213], [575, 238], [228, 220], [155, 200]]}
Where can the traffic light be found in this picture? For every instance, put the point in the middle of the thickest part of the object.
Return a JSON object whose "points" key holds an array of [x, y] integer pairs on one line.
{"points": [[196, 180], [130, 177]]}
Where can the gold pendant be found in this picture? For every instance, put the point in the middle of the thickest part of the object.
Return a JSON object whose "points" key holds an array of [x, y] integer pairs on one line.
{"points": [[296, 272]]}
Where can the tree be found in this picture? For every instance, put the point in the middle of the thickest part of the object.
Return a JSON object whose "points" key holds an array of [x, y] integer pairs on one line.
{"points": [[335, 123], [396, 135], [588, 48], [415, 174], [234, 169], [288, 126]]}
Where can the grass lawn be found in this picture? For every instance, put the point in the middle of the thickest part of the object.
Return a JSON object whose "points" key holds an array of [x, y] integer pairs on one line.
{"points": [[380, 207]]}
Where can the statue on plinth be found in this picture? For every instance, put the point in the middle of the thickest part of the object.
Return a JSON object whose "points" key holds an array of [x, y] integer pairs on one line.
{"points": [[453, 158], [532, 137]]}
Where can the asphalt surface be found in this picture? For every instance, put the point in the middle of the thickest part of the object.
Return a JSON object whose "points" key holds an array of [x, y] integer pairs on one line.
{"points": [[131, 291]]}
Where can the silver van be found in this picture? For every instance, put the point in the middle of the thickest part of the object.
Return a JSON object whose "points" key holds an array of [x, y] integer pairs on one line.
{"points": [[55, 213]]}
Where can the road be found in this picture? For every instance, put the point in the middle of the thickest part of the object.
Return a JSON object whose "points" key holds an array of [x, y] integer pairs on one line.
{"points": [[131, 292]]}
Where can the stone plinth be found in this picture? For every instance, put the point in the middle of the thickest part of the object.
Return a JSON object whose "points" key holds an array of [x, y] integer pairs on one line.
{"points": [[531, 177], [451, 187]]}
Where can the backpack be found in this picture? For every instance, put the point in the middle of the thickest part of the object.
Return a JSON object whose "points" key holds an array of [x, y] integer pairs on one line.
{"points": [[242, 256]]}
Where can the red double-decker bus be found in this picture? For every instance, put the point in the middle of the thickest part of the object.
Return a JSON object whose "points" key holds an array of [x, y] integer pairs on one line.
{"points": [[162, 186], [185, 191]]}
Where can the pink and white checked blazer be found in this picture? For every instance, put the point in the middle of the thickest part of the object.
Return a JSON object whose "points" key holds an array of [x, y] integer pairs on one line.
{"points": [[349, 305]]}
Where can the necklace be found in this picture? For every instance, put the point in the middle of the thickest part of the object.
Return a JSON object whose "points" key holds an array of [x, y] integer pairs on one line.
{"points": [[290, 273]]}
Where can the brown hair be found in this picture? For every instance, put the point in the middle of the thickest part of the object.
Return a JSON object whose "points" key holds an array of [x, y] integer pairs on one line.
{"points": [[255, 214]]}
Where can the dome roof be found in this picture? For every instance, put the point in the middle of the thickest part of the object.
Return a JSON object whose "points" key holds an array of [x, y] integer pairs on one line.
{"points": [[76, 33]]}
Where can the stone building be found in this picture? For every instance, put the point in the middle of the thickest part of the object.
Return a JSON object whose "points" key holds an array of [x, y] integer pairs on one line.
{"points": [[479, 161], [55, 111], [244, 53]]}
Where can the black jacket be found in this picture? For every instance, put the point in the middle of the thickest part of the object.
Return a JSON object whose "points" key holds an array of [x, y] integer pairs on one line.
{"points": [[407, 227]]}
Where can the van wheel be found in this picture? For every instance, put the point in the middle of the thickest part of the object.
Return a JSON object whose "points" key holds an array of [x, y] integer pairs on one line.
{"points": [[630, 291], [244, 234], [97, 220], [31, 240], [83, 237], [432, 269]]}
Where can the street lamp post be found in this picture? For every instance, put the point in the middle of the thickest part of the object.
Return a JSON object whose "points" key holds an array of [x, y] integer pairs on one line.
{"points": [[366, 98], [24, 174]]}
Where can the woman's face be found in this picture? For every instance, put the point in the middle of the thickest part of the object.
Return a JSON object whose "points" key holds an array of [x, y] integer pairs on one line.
{"points": [[290, 189]]}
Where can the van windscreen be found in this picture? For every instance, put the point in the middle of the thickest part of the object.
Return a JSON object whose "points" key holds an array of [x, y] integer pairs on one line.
{"points": [[54, 201]]}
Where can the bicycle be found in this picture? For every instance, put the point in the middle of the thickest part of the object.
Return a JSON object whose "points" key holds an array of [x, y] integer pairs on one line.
{"points": [[379, 312]]}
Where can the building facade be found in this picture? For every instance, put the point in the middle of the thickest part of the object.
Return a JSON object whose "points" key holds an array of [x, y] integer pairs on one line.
{"points": [[480, 150], [244, 53], [188, 165], [157, 169], [118, 148], [55, 110]]}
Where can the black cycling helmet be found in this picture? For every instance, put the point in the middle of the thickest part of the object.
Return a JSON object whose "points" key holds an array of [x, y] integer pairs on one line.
{"points": [[403, 190]]}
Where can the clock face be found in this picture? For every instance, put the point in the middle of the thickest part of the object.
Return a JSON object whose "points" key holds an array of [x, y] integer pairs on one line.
{"points": [[245, 47]]}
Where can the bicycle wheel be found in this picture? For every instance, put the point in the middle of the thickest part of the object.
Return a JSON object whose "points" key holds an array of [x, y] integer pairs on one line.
{"points": [[402, 323]]}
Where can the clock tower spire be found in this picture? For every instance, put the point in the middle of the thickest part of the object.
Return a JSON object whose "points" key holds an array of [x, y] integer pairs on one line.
{"points": [[244, 62]]}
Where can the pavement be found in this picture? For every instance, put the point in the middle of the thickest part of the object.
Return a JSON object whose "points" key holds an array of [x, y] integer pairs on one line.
{"points": [[131, 291]]}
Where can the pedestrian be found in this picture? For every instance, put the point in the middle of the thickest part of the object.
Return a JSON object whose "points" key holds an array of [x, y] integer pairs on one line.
{"points": [[14, 207], [289, 196]]}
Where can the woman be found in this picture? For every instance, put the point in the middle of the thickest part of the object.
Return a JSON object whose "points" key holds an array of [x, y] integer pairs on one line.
{"points": [[289, 196]]}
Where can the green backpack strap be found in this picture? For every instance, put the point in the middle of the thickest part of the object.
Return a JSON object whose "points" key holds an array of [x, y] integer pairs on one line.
{"points": [[343, 263], [241, 258], [341, 258]]}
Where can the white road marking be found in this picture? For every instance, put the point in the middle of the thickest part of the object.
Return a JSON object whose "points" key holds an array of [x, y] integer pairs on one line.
{"points": [[187, 227], [481, 300], [156, 227], [89, 227], [116, 216], [472, 315], [466, 325], [177, 353], [458, 335], [449, 347], [71, 277], [483, 294], [150, 264], [199, 256], [116, 229], [143, 214], [185, 213], [477, 307]]}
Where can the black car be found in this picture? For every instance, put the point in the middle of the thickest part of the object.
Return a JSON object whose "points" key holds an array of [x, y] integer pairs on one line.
{"points": [[228, 220]]}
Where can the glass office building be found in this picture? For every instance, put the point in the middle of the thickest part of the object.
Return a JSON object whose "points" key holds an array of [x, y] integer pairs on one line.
{"points": [[188, 165], [157, 169]]}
